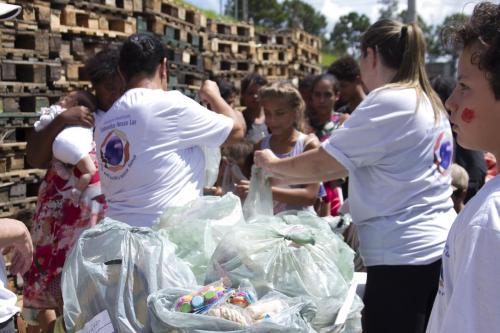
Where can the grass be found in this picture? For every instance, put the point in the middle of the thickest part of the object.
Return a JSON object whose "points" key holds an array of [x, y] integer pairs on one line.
{"points": [[327, 58]]}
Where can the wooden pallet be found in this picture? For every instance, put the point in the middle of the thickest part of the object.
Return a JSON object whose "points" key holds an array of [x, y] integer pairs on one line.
{"points": [[191, 79], [236, 50], [27, 103], [175, 13], [239, 31], [273, 40], [190, 91], [20, 184], [12, 156], [73, 20], [24, 44], [306, 55], [185, 60], [217, 65], [83, 47], [17, 120], [13, 207], [30, 71], [274, 71], [302, 69], [179, 38], [16, 88], [269, 56]]}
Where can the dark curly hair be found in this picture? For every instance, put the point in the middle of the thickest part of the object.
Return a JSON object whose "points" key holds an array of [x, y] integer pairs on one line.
{"points": [[345, 69], [141, 53], [103, 65], [482, 30]]}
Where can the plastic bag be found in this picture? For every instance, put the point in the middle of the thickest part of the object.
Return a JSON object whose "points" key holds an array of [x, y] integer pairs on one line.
{"points": [[111, 271], [212, 164], [197, 228], [259, 200], [284, 314], [295, 259]]}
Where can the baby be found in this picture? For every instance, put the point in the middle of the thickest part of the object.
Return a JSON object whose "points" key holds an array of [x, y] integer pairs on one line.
{"points": [[73, 144]]}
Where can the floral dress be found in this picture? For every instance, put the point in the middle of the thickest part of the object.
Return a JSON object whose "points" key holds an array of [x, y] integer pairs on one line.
{"points": [[57, 224]]}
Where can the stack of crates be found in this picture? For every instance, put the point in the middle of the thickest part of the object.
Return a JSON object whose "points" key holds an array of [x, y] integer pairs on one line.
{"points": [[182, 29], [230, 53]]}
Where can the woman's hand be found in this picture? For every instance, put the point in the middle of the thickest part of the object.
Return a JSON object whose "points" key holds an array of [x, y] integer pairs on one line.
{"points": [[77, 115], [265, 159]]}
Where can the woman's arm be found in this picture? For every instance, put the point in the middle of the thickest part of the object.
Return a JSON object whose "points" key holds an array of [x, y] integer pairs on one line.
{"points": [[312, 166], [39, 147]]}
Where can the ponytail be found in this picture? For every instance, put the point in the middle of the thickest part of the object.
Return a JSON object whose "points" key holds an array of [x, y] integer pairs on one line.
{"points": [[402, 47]]}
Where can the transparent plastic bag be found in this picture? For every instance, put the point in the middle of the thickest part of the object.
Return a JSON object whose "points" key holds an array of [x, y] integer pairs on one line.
{"points": [[212, 164], [294, 259], [259, 201], [288, 315], [197, 228], [113, 268]]}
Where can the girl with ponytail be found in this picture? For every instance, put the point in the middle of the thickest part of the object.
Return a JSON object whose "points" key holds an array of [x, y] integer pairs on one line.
{"points": [[396, 148]]}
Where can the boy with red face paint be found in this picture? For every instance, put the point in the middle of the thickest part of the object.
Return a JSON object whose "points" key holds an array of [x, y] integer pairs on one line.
{"points": [[468, 299]]}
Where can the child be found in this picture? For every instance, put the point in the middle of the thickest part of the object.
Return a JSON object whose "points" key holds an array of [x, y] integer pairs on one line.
{"points": [[324, 120], [468, 299], [284, 111], [73, 144]]}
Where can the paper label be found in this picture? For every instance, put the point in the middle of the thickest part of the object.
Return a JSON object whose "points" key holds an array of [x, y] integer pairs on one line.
{"points": [[101, 323]]}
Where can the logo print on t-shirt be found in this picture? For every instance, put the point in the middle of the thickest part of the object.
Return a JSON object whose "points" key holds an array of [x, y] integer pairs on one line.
{"points": [[443, 153], [115, 151]]}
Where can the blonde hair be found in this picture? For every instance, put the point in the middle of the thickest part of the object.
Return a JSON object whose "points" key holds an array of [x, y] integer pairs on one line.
{"points": [[402, 47], [287, 92]]}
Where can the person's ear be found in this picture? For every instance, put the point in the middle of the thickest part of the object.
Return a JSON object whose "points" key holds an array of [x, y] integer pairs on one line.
{"points": [[371, 54]]}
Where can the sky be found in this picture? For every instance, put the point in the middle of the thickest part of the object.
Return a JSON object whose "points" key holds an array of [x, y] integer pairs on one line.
{"points": [[432, 11]]}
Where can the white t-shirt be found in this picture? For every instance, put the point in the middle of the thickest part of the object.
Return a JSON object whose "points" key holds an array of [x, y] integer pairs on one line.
{"points": [[8, 299], [468, 298], [399, 163], [149, 155]]}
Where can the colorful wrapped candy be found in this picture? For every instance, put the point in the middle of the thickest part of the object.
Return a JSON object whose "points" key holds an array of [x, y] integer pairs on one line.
{"points": [[203, 299]]}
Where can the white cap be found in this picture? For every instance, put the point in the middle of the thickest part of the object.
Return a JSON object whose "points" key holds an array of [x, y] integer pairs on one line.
{"points": [[8, 11]]}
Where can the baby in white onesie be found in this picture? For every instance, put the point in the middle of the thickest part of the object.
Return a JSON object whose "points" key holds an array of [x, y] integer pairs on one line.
{"points": [[73, 144]]}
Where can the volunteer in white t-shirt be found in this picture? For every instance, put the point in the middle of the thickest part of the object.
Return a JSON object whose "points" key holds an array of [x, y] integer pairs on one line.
{"points": [[468, 299], [148, 143], [396, 149]]}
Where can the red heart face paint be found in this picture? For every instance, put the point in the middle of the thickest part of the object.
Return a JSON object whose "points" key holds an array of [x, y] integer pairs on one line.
{"points": [[468, 115]]}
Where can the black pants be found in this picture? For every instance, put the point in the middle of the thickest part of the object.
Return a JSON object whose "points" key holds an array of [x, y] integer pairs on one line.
{"points": [[399, 299]]}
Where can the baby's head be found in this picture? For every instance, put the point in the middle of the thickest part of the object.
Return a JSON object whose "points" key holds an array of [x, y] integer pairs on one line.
{"points": [[78, 98]]}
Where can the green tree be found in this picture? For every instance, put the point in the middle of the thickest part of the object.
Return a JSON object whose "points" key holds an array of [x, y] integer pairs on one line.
{"points": [[389, 9], [449, 21], [346, 35], [303, 15], [264, 13]]}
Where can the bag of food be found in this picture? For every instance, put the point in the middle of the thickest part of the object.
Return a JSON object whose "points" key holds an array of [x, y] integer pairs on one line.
{"points": [[274, 313], [111, 271], [197, 228]]}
